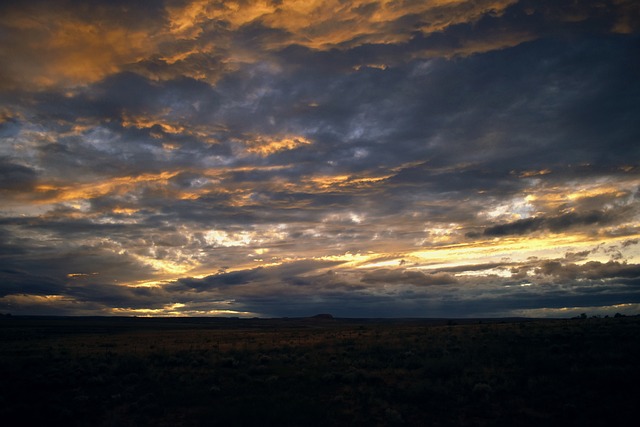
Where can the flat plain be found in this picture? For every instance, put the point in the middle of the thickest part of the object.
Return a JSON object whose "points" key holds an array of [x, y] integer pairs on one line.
{"points": [[318, 371]]}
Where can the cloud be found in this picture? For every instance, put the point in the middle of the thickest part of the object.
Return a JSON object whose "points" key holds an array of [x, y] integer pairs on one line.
{"points": [[16, 177], [9, 126], [286, 271], [409, 277], [577, 256], [85, 42], [592, 270], [80, 43], [555, 224], [331, 24]]}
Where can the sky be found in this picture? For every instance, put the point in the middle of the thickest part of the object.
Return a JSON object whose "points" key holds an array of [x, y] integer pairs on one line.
{"points": [[366, 158]]}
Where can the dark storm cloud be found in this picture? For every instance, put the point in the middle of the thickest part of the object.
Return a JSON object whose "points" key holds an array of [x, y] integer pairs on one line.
{"points": [[592, 270], [181, 98], [50, 260], [16, 177], [403, 113], [110, 295], [473, 296], [402, 276], [555, 224], [256, 275], [58, 224], [9, 126], [19, 281], [474, 267]]}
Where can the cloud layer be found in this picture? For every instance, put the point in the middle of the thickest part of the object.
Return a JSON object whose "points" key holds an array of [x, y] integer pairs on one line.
{"points": [[367, 158]]}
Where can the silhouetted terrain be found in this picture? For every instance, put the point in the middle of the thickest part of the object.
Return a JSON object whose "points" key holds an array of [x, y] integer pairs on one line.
{"points": [[318, 371]]}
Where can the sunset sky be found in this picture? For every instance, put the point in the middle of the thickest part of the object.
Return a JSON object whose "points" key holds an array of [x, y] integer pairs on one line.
{"points": [[437, 158]]}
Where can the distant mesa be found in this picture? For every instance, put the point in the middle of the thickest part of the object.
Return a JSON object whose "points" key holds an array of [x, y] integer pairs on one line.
{"points": [[323, 316]]}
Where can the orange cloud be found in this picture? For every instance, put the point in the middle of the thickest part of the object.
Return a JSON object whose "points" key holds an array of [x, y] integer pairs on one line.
{"points": [[165, 124], [53, 44], [57, 193], [50, 45], [325, 24], [266, 145], [207, 36], [342, 182]]}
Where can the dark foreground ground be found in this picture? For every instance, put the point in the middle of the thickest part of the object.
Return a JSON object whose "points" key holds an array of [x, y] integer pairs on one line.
{"points": [[318, 372]]}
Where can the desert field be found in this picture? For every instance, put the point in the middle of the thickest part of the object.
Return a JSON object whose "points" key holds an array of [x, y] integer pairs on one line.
{"points": [[318, 371]]}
